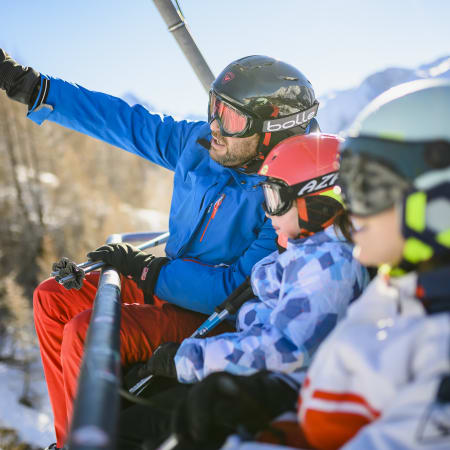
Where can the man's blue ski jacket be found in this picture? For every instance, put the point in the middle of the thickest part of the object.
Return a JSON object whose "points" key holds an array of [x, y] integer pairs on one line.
{"points": [[218, 229]]}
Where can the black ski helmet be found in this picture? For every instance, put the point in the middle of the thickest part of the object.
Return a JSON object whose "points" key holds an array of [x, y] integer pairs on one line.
{"points": [[277, 97]]}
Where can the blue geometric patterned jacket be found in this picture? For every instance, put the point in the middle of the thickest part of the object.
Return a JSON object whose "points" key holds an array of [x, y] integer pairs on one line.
{"points": [[301, 295]]}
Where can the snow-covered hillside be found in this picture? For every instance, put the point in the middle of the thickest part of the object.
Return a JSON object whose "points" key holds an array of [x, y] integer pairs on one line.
{"points": [[33, 425], [338, 109]]}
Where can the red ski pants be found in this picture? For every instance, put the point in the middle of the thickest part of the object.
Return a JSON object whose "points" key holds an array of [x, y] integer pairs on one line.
{"points": [[62, 317]]}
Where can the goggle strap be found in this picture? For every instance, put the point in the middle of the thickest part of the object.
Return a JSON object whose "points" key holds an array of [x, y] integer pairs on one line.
{"points": [[302, 210], [316, 185], [253, 164], [291, 121]]}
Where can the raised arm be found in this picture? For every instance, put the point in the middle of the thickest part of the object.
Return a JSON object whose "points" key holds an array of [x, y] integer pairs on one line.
{"points": [[159, 138], [155, 137]]}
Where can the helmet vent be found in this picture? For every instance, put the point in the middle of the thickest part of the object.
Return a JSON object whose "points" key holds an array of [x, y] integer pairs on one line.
{"points": [[285, 77]]}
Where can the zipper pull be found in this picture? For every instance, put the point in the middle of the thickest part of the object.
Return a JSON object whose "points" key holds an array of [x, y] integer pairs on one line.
{"points": [[217, 205]]}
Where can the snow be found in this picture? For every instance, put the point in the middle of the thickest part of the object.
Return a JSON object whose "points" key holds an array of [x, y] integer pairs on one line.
{"points": [[34, 426], [132, 100], [338, 109], [26, 174]]}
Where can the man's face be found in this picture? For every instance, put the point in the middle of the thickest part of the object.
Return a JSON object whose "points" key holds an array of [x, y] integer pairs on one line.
{"points": [[232, 151]]}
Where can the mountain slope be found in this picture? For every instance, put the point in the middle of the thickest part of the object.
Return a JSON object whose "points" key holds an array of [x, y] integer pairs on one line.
{"points": [[338, 109]]}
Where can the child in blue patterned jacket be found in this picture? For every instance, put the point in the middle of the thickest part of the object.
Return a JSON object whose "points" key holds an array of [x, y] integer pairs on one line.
{"points": [[302, 292]]}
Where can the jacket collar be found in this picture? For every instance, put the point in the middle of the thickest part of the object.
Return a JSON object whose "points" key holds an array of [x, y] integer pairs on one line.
{"points": [[246, 182], [329, 234], [431, 289]]}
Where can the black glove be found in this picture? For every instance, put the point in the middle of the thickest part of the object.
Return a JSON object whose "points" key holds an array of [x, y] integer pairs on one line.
{"points": [[66, 267], [130, 261], [161, 363], [223, 404], [443, 394], [20, 83]]}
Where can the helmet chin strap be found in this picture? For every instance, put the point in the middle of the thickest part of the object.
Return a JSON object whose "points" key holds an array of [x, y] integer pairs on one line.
{"points": [[252, 165], [315, 213]]}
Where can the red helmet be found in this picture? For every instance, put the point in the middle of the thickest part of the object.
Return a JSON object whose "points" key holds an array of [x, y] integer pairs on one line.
{"points": [[301, 167]]}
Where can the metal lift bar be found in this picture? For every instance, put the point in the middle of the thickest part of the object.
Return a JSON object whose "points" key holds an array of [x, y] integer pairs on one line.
{"points": [[96, 408], [177, 26]]}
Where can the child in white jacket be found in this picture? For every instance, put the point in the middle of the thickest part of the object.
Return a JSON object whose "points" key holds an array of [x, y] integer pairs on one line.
{"points": [[381, 379]]}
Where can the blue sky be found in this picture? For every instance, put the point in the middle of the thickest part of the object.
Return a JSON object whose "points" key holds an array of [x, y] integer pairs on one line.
{"points": [[119, 46]]}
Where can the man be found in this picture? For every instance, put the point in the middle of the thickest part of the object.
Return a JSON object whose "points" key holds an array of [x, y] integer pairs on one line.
{"points": [[218, 230]]}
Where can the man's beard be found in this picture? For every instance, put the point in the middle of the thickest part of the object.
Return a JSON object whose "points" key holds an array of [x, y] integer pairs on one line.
{"points": [[226, 160], [234, 158]]}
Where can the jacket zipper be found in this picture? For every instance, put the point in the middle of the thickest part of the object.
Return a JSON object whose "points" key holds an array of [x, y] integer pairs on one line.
{"points": [[213, 214]]}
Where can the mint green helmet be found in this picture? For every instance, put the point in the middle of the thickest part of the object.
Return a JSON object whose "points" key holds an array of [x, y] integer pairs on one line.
{"points": [[415, 112], [398, 153]]}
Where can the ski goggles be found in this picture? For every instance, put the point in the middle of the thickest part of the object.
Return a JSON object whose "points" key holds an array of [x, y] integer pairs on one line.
{"points": [[236, 123], [369, 186], [231, 121], [279, 196]]}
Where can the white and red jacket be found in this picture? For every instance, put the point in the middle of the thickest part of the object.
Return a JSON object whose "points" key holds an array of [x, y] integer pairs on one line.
{"points": [[373, 382]]}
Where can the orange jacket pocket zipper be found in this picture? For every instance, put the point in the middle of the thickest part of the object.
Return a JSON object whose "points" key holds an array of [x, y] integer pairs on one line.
{"points": [[213, 214]]}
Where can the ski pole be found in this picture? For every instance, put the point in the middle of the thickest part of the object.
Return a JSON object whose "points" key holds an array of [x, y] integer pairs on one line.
{"points": [[170, 443], [227, 308], [241, 435], [89, 266], [82, 265]]}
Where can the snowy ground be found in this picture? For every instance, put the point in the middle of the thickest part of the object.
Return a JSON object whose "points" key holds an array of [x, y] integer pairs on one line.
{"points": [[34, 426]]}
